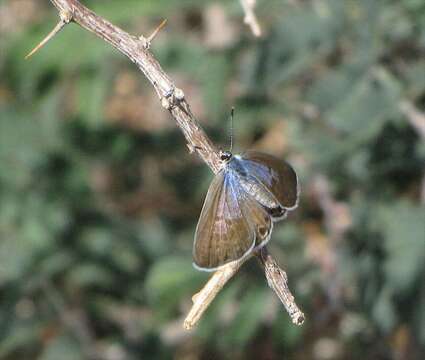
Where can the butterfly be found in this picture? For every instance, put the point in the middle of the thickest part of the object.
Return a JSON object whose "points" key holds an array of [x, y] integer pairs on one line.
{"points": [[250, 192]]}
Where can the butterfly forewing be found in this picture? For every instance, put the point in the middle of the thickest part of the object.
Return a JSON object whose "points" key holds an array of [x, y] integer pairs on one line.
{"points": [[223, 233], [276, 176]]}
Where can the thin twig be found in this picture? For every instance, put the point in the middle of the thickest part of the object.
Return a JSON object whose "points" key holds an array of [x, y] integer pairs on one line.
{"points": [[278, 281], [203, 298], [173, 99], [250, 17]]}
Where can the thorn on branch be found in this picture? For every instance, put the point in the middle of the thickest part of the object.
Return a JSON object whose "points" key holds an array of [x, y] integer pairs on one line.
{"points": [[148, 41], [65, 18]]}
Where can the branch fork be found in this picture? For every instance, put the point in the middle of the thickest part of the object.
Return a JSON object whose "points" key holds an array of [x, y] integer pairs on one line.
{"points": [[173, 99]]}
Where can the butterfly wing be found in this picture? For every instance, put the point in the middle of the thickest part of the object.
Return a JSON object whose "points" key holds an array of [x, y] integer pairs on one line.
{"points": [[276, 176], [257, 215], [223, 233]]}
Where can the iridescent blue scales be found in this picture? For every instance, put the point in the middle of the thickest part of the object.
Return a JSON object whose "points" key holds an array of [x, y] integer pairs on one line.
{"points": [[251, 191]]}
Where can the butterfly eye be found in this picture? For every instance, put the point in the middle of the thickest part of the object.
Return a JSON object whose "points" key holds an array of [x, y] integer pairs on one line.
{"points": [[225, 155]]}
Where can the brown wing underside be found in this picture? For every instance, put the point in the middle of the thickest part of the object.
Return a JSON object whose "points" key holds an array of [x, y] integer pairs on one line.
{"points": [[230, 222]]}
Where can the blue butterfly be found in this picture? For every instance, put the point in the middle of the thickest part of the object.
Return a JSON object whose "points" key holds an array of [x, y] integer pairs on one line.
{"points": [[249, 193]]}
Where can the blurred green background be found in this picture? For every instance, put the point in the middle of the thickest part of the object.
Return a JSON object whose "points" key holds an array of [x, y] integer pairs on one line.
{"points": [[99, 197]]}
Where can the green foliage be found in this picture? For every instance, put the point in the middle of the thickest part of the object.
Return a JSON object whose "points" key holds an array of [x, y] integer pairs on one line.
{"points": [[99, 198], [168, 280]]}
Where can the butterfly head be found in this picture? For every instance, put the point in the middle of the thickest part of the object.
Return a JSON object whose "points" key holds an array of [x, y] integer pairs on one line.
{"points": [[225, 156]]}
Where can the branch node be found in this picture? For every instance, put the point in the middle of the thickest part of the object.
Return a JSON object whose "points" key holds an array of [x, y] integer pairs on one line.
{"points": [[169, 93], [178, 94], [172, 97], [166, 103], [191, 151], [192, 148], [66, 16]]}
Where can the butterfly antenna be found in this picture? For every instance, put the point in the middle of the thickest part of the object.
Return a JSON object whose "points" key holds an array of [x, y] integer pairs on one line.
{"points": [[231, 128]]}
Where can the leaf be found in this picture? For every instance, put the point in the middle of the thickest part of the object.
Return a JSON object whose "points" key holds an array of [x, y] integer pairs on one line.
{"points": [[367, 106], [284, 332], [55, 264], [89, 274], [211, 322], [404, 231], [93, 89], [62, 347], [384, 311], [20, 334], [249, 317]]}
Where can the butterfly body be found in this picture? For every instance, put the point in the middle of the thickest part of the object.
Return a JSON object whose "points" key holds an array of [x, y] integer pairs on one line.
{"points": [[249, 193]]}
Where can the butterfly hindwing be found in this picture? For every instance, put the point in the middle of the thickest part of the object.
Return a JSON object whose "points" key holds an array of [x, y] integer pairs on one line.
{"points": [[258, 216], [276, 176]]}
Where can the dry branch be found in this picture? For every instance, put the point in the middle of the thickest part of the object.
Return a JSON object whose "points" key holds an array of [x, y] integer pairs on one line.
{"points": [[173, 99], [203, 298], [136, 49], [278, 281]]}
